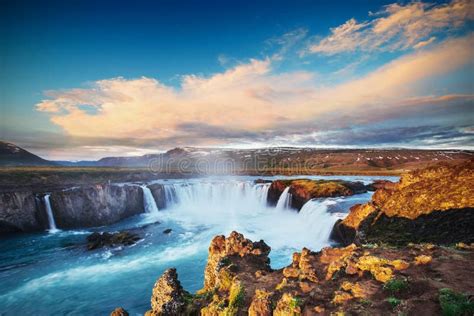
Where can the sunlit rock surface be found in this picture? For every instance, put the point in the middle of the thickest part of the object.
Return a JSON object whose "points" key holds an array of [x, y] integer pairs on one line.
{"points": [[435, 204], [303, 190], [353, 280]]}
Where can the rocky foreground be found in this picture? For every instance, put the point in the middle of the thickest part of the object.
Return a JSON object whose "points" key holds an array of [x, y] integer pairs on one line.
{"points": [[368, 280], [409, 251]]}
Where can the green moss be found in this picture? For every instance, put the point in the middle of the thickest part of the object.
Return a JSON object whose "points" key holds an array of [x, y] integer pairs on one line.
{"points": [[366, 302], [455, 304], [393, 301], [396, 285], [295, 302]]}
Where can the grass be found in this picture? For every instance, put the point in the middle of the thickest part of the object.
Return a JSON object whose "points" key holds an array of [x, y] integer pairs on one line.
{"points": [[396, 285], [455, 304]]}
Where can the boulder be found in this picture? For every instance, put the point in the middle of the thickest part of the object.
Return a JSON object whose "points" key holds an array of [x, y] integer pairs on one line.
{"points": [[119, 311], [168, 298], [100, 240]]}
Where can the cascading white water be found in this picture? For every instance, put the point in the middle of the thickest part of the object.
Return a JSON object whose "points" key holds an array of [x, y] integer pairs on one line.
{"points": [[149, 201], [217, 194], [285, 199], [49, 211], [316, 215]]}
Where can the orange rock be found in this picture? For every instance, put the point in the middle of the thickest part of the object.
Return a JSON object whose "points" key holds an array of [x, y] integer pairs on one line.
{"points": [[261, 304], [306, 287], [319, 309], [376, 266], [464, 246], [354, 288], [400, 264], [422, 259], [357, 214], [287, 305], [290, 272], [341, 297], [336, 258]]}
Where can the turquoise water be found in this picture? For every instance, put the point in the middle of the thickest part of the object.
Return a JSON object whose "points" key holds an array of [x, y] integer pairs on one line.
{"points": [[53, 273]]}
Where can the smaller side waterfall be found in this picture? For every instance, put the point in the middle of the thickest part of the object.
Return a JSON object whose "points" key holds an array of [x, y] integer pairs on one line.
{"points": [[261, 190], [285, 199], [316, 215], [149, 201], [49, 211]]}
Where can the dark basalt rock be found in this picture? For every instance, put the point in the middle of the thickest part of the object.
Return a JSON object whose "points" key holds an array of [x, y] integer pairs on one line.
{"points": [[96, 205], [167, 231], [439, 227], [100, 240]]}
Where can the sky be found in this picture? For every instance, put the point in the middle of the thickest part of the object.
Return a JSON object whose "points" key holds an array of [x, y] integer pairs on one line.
{"points": [[89, 79]]}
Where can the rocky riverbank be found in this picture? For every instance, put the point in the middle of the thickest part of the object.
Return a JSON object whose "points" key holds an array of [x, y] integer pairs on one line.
{"points": [[369, 279]]}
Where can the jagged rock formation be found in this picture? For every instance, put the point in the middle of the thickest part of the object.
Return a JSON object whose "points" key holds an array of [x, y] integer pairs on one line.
{"points": [[169, 298], [119, 311], [100, 240], [303, 190], [435, 204], [356, 280]]}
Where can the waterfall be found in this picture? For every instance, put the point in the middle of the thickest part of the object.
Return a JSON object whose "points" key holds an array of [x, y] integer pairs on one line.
{"points": [[49, 211], [149, 201], [285, 199], [217, 195], [316, 215]]}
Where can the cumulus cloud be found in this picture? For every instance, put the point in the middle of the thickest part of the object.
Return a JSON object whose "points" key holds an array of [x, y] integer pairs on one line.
{"points": [[396, 27], [248, 101]]}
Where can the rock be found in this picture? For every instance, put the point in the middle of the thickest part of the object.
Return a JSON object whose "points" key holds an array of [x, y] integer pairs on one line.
{"points": [[168, 298], [261, 304], [21, 212], [235, 245], [435, 205], [354, 280], [303, 190], [158, 192], [167, 231], [96, 205], [98, 240], [422, 259], [381, 184], [287, 305], [119, 311]]}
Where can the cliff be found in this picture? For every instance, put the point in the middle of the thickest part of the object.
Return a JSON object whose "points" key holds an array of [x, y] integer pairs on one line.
{"points": [[86, 206], [303, 190], [21, 211], [354, 280], [434, 204]]}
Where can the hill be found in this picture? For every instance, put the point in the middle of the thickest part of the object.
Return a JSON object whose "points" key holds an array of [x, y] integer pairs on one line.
{"points": [[12, 155]]}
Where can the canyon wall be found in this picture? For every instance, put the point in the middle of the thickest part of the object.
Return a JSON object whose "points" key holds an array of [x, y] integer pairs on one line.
{"points": [[87, 206]]}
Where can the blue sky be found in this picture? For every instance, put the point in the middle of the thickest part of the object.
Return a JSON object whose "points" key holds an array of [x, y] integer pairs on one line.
{"points": [[86, 79]]}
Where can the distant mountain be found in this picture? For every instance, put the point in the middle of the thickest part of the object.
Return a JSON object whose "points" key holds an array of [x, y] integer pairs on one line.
{"points": [[255, 161], [12, 155]]}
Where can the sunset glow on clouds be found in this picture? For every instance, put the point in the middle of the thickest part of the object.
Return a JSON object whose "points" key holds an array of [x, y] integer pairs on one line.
{"points": [[420, 95]]}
